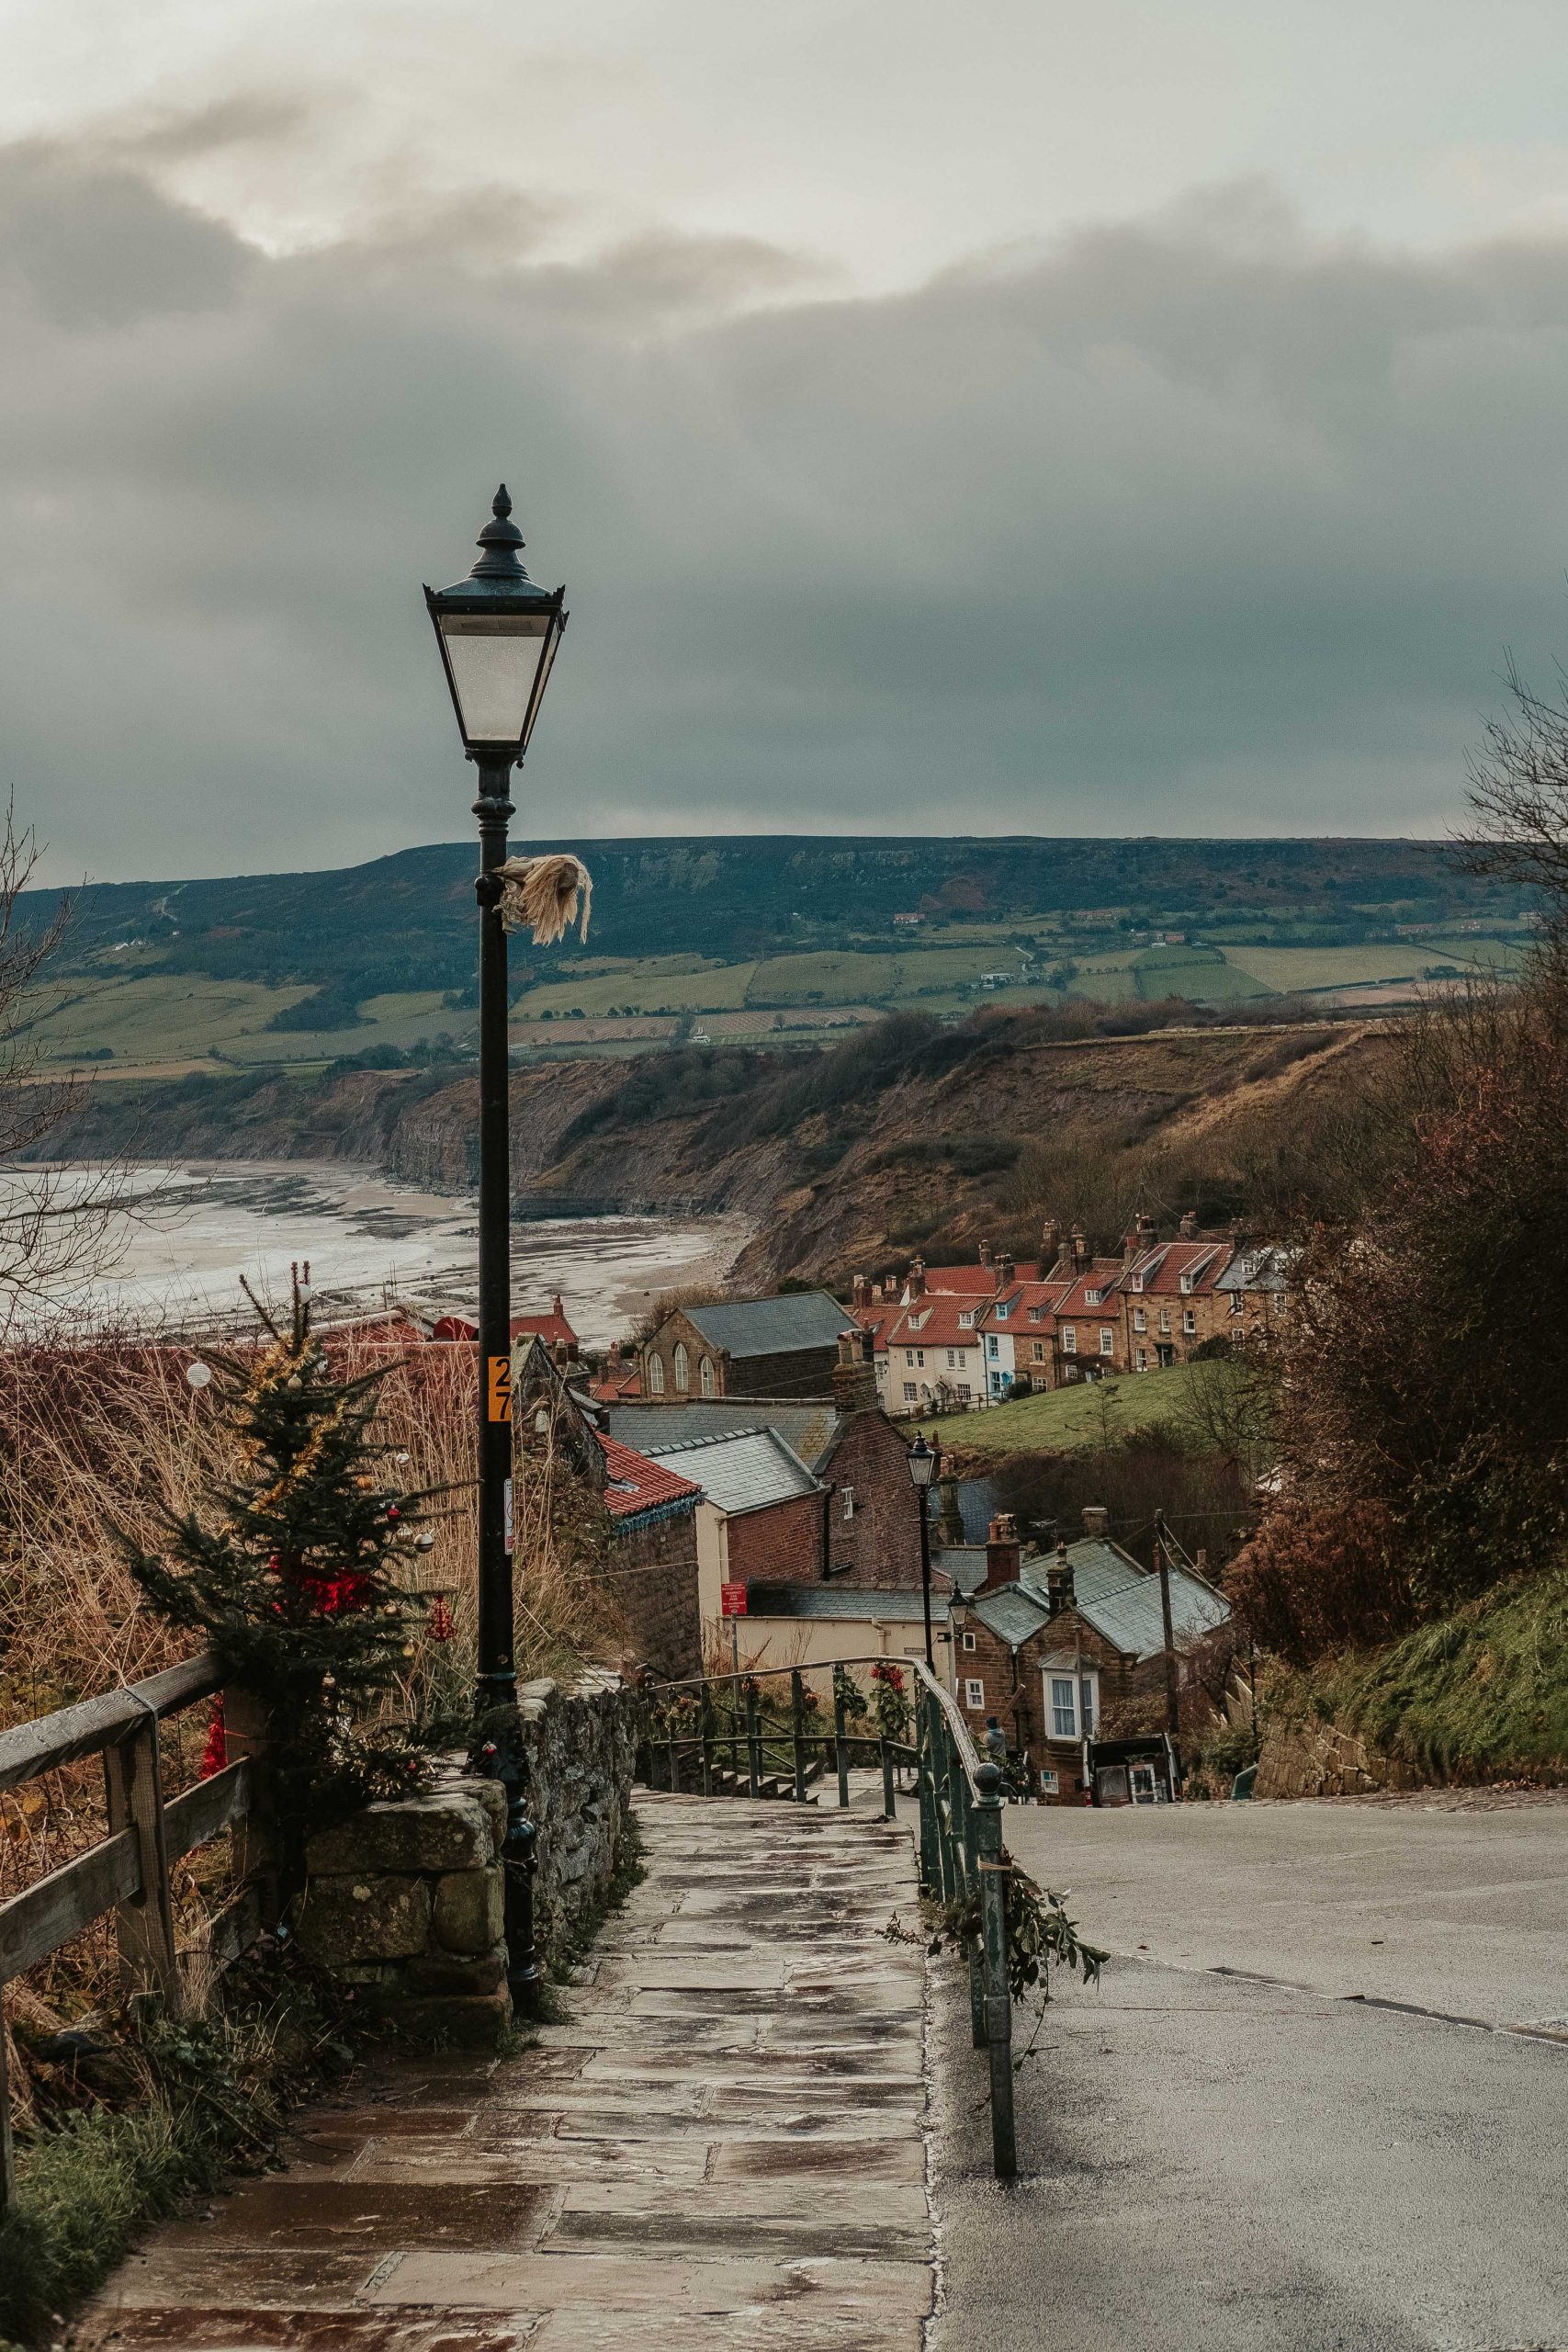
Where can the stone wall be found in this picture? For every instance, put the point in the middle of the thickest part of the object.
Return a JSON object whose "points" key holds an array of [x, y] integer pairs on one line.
{"points": [[404, 1903], [1314, 1758], [582, 1747]]}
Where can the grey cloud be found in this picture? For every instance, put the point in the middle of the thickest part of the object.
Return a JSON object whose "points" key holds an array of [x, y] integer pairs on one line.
{"points": [[1187, 526]]}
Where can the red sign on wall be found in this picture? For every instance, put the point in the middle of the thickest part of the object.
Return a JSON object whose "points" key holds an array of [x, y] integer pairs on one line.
{"points": [[732, 1599]]}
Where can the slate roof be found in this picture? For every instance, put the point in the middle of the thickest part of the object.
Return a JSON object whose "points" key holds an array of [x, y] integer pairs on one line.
{"points": [[807, 1429], [636, 1484], [841, 1600], [1013, 1613], [1122, 1601], [743, 1473], [771, 1327], [1263, 1269]]}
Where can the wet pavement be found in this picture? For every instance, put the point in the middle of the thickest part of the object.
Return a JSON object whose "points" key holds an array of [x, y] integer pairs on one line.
{"points": [[722, 2150]]}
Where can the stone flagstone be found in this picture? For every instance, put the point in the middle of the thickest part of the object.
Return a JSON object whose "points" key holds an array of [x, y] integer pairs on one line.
{"points": [[720, 2151]]}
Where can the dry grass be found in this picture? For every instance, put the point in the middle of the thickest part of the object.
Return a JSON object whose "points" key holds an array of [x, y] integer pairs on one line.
{"points": [[105, 1434]]}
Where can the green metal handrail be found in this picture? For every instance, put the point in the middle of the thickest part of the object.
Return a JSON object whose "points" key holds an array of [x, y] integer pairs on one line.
{"points": [[963, 1865]]}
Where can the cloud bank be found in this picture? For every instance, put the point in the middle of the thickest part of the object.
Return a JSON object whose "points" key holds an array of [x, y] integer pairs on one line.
{"points": [[1196, 524]]}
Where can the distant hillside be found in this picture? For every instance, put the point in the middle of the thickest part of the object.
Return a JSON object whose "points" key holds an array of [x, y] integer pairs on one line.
{"points": [[758, 939], [912, 1135]]}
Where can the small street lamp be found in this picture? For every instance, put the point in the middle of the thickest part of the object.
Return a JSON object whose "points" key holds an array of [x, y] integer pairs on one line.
{"points": [[498, 635], [924, 1462]]}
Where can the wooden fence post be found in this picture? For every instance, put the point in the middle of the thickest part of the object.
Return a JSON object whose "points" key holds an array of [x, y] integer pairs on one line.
{"points": [[7, 2153], [797, 1730], [144, 1924], [753, 1744]]}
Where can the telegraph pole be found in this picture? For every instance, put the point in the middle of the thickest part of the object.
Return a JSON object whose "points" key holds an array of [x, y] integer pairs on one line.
{"points": [[1162, 1562]]}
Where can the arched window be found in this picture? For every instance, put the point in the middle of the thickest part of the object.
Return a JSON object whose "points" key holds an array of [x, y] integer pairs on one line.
{"points": [[683, 1369], [704, 1377], [655, 1375]]}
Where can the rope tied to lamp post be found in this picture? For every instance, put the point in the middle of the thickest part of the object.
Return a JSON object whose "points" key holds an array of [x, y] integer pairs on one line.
{"points": [[541, 893]]}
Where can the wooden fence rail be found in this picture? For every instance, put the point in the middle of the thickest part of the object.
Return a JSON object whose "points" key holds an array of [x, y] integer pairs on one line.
{"points": [[127, 1872]]}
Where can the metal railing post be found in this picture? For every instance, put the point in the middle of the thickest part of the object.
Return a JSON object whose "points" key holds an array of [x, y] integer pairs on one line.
{"points": [[840, 1751], [992, 1871], [706, 1736], [925, 1738], [797, 1726], [889, 1809], [753, 1744]]}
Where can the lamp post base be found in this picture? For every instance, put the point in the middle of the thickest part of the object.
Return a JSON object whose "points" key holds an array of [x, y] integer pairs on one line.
{"points": [[499, 1753]]}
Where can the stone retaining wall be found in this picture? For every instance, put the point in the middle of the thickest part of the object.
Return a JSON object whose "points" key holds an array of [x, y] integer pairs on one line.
{"points": [[405, 1905], [1314, 1758]]}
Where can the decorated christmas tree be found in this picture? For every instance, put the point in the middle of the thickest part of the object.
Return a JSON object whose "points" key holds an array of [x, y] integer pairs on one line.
{"points": [[293, 1575]]}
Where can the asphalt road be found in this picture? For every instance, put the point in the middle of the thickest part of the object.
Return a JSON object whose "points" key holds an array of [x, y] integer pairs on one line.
{"points": [[1229, 2163]]}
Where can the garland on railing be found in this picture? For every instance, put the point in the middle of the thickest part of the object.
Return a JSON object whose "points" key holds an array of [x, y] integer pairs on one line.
{"points": [[1041, 1934]]}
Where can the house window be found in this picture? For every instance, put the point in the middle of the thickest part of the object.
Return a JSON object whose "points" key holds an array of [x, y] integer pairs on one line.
{"points": [[848, 1494], [908, 1392], [993, 1347], [1236, 1302], [965, 1392], [953, 1359], [656, 1375], [920, 1358], [1069, 1341], [1140, 1319], [1107, 1340], [1165, 1318], [704, 1377], [968, 1641], [1092, 1298], [1142, 1358], [973, 1694], [1189, 1321], [909, 1358], [683, 1367], [1073, 1703], [1038, 1350], [1002, 1314]]}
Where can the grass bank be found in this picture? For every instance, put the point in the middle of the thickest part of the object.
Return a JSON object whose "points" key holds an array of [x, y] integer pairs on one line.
{"points": [[1061, 1420], [1480, 1694]]}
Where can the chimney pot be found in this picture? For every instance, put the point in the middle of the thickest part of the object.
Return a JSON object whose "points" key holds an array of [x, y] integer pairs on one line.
{"points": [[1080, 1247], [855, 1374], [1190, 1226], [1002, 1553], [985, 1253], [860, 1291], [1096, 1520], [916, 1286]]}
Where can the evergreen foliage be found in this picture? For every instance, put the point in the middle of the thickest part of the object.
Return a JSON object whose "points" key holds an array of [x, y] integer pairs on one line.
{"points": [[293, 1578]]}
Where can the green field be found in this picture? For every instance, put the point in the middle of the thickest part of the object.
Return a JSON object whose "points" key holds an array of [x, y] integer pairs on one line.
{"points": [[1290, 968], [1062, 1419]]}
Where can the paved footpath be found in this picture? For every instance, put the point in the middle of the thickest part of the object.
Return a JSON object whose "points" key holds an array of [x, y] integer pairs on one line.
{"points": [[722, 2151]]}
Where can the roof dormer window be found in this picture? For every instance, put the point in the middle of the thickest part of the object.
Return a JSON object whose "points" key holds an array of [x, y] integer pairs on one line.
{"points": [[1002, 1314], [1092, 1298]]}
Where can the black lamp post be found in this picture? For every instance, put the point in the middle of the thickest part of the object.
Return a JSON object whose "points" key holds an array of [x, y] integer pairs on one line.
{"points": [[498, 635], [924, 1461]]}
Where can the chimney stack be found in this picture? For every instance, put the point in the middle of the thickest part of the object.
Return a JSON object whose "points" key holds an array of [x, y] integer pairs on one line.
{"points": [[855, 1374], [916, 1286], [860, 1290], [952, 1512], [1059, 1594], [1050, 1245], [1096, 1521], [1190, 1226], [985, 1253], [1130, 1242], [1003, 1263], [1145, 1233], [1080, 1247], [1002, 1553]]}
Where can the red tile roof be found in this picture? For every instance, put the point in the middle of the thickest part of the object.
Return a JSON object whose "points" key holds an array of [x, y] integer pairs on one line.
{"points": [[1159, 1273], [638, 1484], [1103, 1274], [975, 1278], [550, 1326], [932, 1322]]}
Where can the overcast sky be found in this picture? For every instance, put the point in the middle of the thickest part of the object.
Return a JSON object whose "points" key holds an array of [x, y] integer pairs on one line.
{"points": [[1014, 417]]}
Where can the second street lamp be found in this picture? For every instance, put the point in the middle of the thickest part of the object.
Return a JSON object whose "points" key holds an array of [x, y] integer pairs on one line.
{"points": [[924, 1462], [498, 634]]}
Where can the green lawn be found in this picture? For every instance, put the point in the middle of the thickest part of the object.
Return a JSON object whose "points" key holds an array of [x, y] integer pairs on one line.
{"points": [[1066, 1418]]}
